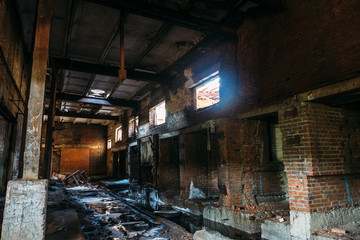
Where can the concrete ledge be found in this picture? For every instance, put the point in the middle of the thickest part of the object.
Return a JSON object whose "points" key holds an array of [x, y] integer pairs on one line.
{"points": [[25, 210], [303, 223], [207, 234], [235, 219], [275, 230]]}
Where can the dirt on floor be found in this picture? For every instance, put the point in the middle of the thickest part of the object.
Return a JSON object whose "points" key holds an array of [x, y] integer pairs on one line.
{"points": [[89, 212]]}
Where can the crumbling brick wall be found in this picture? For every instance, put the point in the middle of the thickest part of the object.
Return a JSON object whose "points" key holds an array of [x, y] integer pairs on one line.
{"points": [[318, 145], [168, 168], [244, 158]]}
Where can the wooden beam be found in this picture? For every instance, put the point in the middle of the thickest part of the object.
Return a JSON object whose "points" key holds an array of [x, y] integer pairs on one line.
{"points": [[37, 90], [153, 11], [330, 90], [89, 100], [73, 65]]}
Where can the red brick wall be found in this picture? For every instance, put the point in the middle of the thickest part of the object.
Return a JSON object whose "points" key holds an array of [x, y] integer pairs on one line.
{"points": [[79, 146], [307, 44], [168, 169], [195, 162], [244, 157], [318, 145]]}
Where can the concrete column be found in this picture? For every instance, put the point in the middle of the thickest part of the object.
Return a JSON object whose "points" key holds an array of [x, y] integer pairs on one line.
{"points": [[25, 205]]}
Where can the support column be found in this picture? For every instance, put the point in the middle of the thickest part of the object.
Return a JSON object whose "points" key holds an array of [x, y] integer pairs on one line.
{"points": [[49, 131], [320, 157], [25, 206], [37, 91]]}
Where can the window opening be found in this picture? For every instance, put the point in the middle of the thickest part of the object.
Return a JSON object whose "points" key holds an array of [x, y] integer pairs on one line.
{"points": [[133, 126], [157, 114], [208, 93], [118, 134]]}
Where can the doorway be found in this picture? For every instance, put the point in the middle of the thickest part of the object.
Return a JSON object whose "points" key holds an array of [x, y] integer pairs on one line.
{"points": [[5, 139], [119, 164]]}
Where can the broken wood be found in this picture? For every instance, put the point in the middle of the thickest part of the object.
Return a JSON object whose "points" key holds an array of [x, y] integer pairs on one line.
{"points": [[77, 178]]}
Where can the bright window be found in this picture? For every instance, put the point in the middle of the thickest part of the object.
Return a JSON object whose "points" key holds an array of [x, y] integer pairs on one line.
{"points": [[157, 114], [208, 94], [109, 144], [118, 134], [133, 126]]}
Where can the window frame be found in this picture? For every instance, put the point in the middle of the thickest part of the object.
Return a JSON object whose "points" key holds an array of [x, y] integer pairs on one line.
{"points": [[215, 76], [153, 123], [135, 125], [117, 137]]}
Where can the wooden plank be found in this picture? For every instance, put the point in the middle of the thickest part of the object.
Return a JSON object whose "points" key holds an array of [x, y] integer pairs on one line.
{"points": [[37, 90], [333, 89]]}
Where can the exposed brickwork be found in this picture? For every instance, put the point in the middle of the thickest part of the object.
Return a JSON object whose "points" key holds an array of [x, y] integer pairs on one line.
{"points": [[79, 146], [314, 137], [244, 158], [168, 168], [195, 162], [307, 44]]}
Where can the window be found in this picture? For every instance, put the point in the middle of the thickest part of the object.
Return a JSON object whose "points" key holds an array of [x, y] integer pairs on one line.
{"points": [[133, 126], [207, 93], [157, 114], [109, 144], [118, 134]]}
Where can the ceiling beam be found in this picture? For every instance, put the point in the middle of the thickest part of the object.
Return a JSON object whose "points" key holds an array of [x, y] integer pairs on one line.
{"points": [[163, 30], [103, 55], [67, 64], [83, 115], [89, 100], [153, 11]]}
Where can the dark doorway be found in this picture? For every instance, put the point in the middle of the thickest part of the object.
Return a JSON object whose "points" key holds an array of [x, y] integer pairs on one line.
{"points": [[119, 164], [5, 139], [133, 163], [169, 168]]}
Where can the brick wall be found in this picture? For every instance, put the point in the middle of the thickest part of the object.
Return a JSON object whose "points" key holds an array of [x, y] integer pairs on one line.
{"points": [[79, 146], [318, 146], [307, 44], [195, 166], [246, 174], [168, 168]]}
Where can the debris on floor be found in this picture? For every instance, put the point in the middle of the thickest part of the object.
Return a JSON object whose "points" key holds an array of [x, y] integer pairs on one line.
{"points": [[350, 231], [102, 215], [76, 178]]}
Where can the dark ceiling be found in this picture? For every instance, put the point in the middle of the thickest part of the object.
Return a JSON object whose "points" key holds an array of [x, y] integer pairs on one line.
{"points": [[85, 45]]}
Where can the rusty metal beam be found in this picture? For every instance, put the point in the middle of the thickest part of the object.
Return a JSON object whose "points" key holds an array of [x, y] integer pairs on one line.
{"points": [[153, 11], [83, 115], [67, 64], [164, 29], [49, 131], [89, 100], [37, 90], [103, 55]]}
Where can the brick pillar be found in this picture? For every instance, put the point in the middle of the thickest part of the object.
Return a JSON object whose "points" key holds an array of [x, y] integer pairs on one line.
{"points": [[316, 141]]}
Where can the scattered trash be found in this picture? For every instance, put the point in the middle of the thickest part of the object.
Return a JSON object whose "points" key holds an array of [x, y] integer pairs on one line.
{"points": [[57, 176], [339, 230], [195, 193], [76, 178]]}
